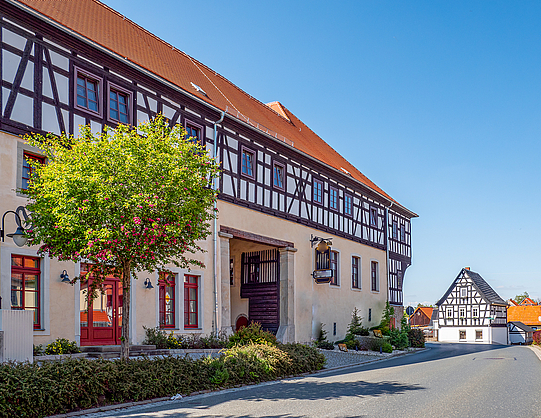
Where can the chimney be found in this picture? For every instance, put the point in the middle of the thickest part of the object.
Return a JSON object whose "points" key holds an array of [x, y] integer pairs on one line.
{"points": [[467, 268]]}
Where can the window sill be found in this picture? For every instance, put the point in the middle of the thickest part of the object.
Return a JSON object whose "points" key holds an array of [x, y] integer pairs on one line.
{"points": [[356, 289]]}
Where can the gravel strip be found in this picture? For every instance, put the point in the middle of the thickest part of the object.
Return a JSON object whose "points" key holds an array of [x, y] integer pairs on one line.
{"points": [[336, 358]]}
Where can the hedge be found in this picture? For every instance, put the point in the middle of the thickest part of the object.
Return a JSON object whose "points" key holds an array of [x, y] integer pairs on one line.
{"points": [[37, 390]]}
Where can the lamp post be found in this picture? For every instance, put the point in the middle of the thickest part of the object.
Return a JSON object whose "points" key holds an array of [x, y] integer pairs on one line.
{"points": [[19, 237]]}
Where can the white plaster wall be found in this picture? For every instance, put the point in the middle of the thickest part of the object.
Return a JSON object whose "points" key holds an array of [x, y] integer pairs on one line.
{"points": [[496, 335]]}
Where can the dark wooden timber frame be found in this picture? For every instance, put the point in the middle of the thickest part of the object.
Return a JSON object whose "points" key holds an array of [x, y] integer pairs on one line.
{"points": [[47, 48]]}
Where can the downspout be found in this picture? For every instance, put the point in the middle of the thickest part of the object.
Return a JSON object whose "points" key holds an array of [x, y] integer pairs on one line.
{"points": [[387, 246], [215, 231]]}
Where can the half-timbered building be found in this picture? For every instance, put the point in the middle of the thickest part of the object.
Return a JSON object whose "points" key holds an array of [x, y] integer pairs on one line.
{"points": [[69, 63], [471, 311]]}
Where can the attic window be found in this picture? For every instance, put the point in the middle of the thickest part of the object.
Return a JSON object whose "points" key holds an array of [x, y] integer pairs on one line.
{"points": [[199, 89]]}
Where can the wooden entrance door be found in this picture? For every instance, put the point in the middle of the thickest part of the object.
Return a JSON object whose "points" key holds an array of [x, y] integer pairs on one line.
{"points": [[101, 324]]}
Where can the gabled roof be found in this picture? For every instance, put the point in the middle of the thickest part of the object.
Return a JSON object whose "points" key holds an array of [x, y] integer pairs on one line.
{"points": [[425, 310], [487, 292], [527, 302], [520, 325], [511, 302], [529, 315], [97, 23]]}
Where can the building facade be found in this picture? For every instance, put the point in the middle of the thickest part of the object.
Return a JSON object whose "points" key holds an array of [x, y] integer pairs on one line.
{"points": [[471, 311], [281, 185]]}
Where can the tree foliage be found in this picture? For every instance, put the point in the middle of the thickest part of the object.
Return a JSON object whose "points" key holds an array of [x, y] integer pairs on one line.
{"points": [[521, 297], [126, 200]]}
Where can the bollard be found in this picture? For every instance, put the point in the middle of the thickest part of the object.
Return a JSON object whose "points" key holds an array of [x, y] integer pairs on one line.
{"points": [[381, 350]]}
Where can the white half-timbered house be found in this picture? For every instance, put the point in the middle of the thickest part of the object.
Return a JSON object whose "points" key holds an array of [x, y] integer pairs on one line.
{"points": [[471, 311], [68, 63]]}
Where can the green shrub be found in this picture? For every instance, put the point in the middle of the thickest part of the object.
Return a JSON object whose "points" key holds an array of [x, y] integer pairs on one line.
{"points": [[37, 390], [62, 346], [155, 336], [399, 338], [387, 347], [416, 338], [38, 350], [252, 334], [325, 345], [376, 343]]}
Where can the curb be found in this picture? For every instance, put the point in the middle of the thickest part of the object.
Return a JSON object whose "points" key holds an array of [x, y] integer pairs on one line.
{"points": [[205, 394], [536, 349]]}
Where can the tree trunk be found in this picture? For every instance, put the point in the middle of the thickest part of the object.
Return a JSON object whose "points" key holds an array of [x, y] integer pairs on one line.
{"points": [[125, 340]]}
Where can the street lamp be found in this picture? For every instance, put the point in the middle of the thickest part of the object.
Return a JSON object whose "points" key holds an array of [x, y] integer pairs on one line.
{"points": [[19, 237]]}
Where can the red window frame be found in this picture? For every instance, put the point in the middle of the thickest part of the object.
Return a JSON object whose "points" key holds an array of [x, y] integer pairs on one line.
{"points": [[29, 266], [374, 275], [191, 303], [27, 168], [318, 191], [166, 280], [355, 272], [334, 267]]}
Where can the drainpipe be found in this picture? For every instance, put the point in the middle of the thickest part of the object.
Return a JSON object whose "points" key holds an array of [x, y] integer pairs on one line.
{"points": [[215, 231], [387, 246]]}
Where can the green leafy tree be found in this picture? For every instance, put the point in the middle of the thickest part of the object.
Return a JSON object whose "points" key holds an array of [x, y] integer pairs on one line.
{"points": [[126, 200], [521, 297]]}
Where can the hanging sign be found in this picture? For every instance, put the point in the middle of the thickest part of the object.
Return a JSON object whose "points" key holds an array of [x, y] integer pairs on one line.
{"points": [[322, 276]]}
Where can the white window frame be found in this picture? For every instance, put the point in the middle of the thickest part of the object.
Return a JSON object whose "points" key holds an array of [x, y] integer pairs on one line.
{"points": [[463, 292]]}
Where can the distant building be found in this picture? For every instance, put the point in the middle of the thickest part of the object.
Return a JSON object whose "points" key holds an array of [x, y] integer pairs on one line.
{"points": [[471, 311], [421, 316], [529, 315], [520, 333]]}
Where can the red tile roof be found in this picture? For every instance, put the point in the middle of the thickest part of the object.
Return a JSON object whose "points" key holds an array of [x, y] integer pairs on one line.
{"points": [[426, 310], [527, 301], [108, 28], [529, 315]]}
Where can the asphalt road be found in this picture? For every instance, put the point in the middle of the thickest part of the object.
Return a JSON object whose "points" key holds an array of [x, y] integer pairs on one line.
{"points": [[448, 380]]}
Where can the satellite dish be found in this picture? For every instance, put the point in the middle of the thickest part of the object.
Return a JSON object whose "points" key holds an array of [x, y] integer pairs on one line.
{"points": [[409, 310]]}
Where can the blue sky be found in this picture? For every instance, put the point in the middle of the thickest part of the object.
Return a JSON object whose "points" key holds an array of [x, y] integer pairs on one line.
{"points": [[439, 103]]}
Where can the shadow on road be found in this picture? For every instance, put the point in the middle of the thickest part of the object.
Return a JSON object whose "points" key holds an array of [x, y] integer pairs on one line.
{"points": [[437, 351]]}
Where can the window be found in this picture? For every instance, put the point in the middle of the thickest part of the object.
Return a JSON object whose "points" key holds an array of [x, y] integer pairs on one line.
{"points": [[193, 132], [395, 230], [166, 284], [348, 205], [355, 282], [191, 305], [478, 334], [318, 191], [27, 168], [334, 268], [463, 292], [369, 314], [403, 233], [462, 334], [278, 176], [475, 312], [25, 285], [333, 198], [247, 165], [88, 92], [119, 104], [462, 312], [449, 312], [373, 217], [374, 276]]}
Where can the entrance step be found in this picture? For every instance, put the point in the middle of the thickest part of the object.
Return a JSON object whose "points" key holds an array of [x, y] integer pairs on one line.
{"points": [[114, 348]]}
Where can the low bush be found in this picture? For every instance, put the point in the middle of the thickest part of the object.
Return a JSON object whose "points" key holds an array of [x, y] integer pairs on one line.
{"points": [[160, 338], [252, 334], [416, 338], [325, 345], [387, 347], [399, 338], [537, 337], [376, 343], [62, 346], [38, 390], [38, 350]]}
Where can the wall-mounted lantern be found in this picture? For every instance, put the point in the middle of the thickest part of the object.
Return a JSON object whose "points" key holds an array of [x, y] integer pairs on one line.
{"points": [[64, 276], [323, 272], [19, 237]]}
